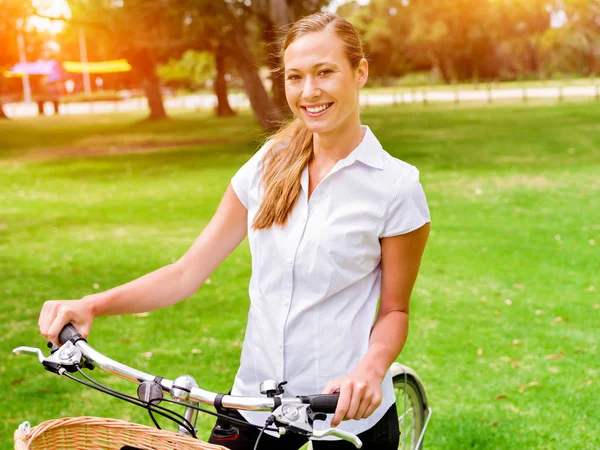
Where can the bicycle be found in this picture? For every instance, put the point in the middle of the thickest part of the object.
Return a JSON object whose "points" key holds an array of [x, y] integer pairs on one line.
{"points": [[289, 415]]}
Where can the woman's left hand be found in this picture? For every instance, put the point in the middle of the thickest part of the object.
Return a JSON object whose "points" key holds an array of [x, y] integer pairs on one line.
{"points": [[360, 395]]}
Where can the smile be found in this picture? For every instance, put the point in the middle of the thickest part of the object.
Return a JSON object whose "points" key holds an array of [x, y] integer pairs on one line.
{"points": [[316, 110]]}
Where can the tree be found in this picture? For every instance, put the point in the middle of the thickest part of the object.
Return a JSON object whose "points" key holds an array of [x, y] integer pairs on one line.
{"points": [[455, 34], [384, 26], [583, 27], [193, 70], [11, 13], [197, 69], [149, 33], [220, 83], [529, 21]]}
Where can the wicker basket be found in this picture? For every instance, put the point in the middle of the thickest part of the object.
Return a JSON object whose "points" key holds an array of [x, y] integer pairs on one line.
{"points": [[95, 433]]}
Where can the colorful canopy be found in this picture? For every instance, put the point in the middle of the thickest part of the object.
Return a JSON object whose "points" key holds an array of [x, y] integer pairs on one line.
{"points": [[116, 66], [34, 68], [56, 71]]}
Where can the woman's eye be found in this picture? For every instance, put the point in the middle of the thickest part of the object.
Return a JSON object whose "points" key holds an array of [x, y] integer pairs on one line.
{"points": [[325, 72], [293, 77]]}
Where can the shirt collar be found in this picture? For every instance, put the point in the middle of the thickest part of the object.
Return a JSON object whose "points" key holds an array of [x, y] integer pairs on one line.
{"points": [[369, 151]]}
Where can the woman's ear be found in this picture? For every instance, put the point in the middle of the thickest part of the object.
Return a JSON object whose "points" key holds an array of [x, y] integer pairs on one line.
{"points": [[362, 72]]}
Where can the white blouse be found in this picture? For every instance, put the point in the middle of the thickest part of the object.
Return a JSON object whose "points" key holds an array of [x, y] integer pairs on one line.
{"points": [[316, 282]]}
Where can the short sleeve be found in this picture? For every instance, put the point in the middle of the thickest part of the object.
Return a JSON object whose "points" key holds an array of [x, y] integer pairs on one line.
{"points": [[407, 209], [243, 180]]}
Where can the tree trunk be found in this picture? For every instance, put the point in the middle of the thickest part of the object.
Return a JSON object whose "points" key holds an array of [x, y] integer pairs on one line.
{"points": [[2, 113], [144, 64], [442, 65], [267, 114], [534, 62], [591, 56], [274, 65], [155, 100], [280, 16], [223, 107]]}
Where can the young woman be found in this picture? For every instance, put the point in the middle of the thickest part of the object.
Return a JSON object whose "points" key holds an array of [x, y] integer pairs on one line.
{"points": [[335, 224]]}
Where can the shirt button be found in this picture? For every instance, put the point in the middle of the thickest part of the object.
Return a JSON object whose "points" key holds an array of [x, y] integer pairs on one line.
{"points": [[280, 346], [303, 220], [289, 262]]}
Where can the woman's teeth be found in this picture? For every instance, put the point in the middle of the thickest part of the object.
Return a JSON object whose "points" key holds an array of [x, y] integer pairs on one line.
{"points": [[318, 109]]}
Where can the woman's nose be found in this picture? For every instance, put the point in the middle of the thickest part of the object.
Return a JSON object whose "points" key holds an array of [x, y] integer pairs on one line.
{"points": [[311, 89]]}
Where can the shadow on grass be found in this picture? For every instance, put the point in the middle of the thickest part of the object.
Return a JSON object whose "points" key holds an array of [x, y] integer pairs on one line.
{"points": [[164, 162]]}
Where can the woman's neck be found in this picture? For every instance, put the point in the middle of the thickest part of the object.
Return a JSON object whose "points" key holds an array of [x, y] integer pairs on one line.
{"points": [[337, 144]]}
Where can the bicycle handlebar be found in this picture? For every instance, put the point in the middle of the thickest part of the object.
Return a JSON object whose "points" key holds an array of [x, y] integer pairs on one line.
{"points": [[68, 333], [325, 403]]}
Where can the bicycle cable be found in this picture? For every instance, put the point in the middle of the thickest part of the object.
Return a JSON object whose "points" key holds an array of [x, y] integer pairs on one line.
{"points": [[222, 416], [268, 422], [141, 403], [164, 412]]}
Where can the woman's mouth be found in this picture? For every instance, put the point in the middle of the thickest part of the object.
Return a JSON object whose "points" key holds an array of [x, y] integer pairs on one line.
{"points": [[316, 111]]}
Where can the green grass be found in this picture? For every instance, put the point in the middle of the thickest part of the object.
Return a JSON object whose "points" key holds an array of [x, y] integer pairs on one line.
{"points": [[37, 137], [504, 327]]}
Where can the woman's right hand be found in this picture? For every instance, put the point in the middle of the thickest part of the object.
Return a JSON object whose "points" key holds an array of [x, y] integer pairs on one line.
{"points": [[56, 314]]}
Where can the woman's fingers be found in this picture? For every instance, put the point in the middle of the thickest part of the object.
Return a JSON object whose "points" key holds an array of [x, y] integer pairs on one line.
{"points": [[343, 403], [365, 404], [331, 387], [374, 403], [47, 316], [62, 318], [358, 398], [56, 314], [358, 391]]}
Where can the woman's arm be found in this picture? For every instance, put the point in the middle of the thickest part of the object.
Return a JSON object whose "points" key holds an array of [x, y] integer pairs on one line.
{"points": [[163, 287], [360, 392]]}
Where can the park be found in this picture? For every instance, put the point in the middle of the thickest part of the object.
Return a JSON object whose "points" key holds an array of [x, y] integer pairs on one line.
{"points": [[504, 314]]}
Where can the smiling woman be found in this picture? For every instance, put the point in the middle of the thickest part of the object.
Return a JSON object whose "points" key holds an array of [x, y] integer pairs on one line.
{"points": [[336, 228], [333, 223]]}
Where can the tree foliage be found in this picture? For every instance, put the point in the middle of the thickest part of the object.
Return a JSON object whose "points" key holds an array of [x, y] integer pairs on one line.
{"points": [[192, 70], [13, 19], [149, 33], [479, 39]]}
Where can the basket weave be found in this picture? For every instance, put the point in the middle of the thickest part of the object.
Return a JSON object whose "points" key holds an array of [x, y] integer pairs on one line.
{"points": [[96, 433]]}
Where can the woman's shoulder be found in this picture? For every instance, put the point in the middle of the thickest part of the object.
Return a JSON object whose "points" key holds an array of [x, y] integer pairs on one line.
{"points": [[393, 168], [397, 169]]}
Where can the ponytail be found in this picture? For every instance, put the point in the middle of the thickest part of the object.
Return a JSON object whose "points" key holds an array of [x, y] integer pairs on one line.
{"points": [[291, 148]]}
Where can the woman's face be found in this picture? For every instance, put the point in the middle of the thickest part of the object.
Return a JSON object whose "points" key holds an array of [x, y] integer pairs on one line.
{"points": [[320, 84]]}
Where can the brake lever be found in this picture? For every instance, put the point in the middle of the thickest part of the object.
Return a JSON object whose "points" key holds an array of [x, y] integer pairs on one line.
{"points": [[30, 351], [318, 434], [67, 357], [299, 419]]}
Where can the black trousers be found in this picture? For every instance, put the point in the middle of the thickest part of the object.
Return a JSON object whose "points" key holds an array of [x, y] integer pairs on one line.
{"points": [[384, 435]]}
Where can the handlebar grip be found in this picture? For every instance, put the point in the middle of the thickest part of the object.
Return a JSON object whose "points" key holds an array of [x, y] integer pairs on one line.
{"points": [[69, 333], [325, 403]]}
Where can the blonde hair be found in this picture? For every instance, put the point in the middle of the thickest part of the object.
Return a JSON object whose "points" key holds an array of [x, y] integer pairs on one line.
{"points": [[291, 148]]}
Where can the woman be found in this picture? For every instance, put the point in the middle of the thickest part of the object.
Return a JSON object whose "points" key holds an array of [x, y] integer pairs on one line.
{"points": [[334, 223]]}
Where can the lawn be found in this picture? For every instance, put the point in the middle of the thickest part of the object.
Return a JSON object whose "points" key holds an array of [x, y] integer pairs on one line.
{"points": [[505, 314]]}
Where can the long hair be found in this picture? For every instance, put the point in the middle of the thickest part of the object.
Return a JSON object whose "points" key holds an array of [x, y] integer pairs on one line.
{"points": [[291, 148]]}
